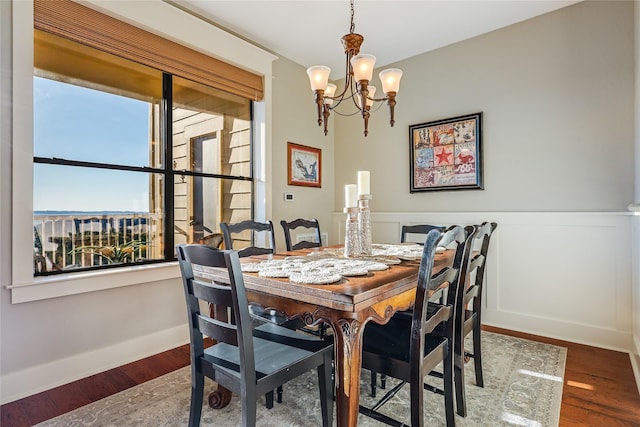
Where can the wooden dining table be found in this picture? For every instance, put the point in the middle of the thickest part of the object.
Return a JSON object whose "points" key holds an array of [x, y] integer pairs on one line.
{"points": [[347, 306]]}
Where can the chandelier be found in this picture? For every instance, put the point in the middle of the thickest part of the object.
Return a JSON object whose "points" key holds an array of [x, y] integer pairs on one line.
{"points": [[358, 73]]}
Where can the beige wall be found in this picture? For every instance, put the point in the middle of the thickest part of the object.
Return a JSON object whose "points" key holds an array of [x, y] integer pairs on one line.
{"points": [[636, 219], [294, 120], [556, 93]]}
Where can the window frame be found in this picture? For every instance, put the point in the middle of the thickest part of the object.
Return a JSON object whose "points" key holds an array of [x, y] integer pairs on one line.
{"points": [[185, 29], [166, 171]]}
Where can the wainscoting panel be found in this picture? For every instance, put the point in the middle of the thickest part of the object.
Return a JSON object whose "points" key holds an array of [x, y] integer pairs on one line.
{"points": [[561, 275]]}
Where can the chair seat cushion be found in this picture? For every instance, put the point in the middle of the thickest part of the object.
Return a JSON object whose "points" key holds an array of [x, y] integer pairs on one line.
{"points": [[271, 355], [393, 339]]}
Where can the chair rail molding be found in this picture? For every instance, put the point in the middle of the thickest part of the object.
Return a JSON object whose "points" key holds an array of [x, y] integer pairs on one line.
{"points": [[584, 264]]}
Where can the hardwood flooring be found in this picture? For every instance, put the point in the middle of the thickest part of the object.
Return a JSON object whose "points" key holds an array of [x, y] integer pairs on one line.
{"points": [[599, 387]]}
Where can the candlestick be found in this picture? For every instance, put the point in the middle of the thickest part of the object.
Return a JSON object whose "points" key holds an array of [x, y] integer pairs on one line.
{"points": [[351, 233], [364, 224], [350, 191], [364, 186]]}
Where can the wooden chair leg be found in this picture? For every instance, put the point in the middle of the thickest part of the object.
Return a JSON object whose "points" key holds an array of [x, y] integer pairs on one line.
{"points": [[197, 396], [249, 410], [269, 398], [326, 386], [374, 378], [448, 388], [477, 354], [458, 378]]}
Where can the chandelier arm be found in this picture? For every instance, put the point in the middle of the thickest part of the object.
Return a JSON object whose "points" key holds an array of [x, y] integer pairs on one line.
{"points": [[319, 102], [325, 115], [386, 98]]}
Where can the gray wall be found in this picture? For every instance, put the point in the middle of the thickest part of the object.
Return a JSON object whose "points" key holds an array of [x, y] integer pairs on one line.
{"points": [[294, 120], [557, 96], [636, 219]]}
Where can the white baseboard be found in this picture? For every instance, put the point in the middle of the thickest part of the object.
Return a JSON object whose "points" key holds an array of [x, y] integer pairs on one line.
{"points": [[27, 382], [558, 329], [635, 361]]}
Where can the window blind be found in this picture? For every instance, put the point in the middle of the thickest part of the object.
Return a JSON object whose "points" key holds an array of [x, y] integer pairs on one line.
{"points": [[84, 25]]}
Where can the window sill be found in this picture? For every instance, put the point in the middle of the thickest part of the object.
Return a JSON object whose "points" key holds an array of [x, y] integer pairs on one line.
{"points": [[77, 283]]}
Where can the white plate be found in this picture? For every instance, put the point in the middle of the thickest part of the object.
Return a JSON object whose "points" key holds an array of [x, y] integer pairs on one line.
{"points": [[252, 267], [354, 272], [319, 279], [273, 272]]}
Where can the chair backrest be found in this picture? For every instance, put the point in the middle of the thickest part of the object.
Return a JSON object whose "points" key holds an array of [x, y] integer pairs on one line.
{"points": [[417, 229], [254, 227], [478, 262], [237, 331], [305, 223], [458, 238], [461, 239]]}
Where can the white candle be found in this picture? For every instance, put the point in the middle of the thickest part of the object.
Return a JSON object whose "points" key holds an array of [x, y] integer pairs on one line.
{"points": [[363, 183], [350, 193]]}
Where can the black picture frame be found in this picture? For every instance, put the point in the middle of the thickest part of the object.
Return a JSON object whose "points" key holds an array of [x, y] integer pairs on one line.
{"points": [[446, 154]]}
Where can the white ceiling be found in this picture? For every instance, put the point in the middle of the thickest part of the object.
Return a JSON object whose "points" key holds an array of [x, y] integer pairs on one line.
{"points": [[309, 31]]}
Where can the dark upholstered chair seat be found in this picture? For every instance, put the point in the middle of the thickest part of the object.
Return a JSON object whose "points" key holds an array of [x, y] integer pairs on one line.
{"points": [[391, 340]]}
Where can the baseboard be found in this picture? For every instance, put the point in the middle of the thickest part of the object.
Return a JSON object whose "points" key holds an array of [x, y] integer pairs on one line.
{"points": [[557, 329], [635, 361], [27, 382]]}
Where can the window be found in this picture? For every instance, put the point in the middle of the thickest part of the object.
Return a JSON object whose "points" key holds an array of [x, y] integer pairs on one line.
{"points": [[130, 160]]}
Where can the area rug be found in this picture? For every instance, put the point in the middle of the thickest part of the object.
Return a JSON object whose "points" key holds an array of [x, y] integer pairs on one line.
{"points": [[523, 387]]}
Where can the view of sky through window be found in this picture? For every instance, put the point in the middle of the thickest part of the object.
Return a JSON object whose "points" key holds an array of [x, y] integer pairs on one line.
{"points": [[77, 123]]}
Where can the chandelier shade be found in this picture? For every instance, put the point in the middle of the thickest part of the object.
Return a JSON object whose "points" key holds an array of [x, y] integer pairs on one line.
{"points": [[359, 72], [362, 66], [390, 79], [319, 77]]}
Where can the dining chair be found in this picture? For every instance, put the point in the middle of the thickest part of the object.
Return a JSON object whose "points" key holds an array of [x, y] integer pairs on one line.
{"points": [[252, 227], [405, 348], [249, 361], [314, 226], [311, 224], [423, 229], [230, 234], [469, 318]]}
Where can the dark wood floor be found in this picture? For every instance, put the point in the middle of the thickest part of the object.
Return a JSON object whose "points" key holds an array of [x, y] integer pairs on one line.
{"points": [[599, 387]]}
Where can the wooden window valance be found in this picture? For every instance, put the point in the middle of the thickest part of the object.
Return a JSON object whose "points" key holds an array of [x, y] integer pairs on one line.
{"points": [[84, 25]]}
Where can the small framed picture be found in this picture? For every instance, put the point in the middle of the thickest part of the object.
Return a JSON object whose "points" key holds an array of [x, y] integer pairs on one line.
{"points": [[446, 154], [304, 165]]}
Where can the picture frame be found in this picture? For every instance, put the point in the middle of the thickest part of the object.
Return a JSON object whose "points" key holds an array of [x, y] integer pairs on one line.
{"points": [[304, 165], [446, 154]]}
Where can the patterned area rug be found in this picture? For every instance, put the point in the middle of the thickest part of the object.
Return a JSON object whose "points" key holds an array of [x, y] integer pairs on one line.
{"points": [[523, 387]]}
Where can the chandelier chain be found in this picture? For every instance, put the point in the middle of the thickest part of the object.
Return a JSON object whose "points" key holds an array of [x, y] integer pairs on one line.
{"points": [[353, 25]]}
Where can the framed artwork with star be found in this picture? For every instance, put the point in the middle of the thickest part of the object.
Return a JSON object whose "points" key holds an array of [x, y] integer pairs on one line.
{"points": [[446, 154]]}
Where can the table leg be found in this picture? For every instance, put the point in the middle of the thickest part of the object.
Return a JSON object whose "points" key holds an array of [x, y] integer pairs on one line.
{"points": [[348, 349]]}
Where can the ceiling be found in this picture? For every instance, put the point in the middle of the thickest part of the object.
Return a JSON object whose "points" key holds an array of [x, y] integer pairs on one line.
{"points": [[308, 32]]}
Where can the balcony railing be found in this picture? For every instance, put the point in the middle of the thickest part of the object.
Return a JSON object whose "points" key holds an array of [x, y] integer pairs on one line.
{"points": [[66, 242]]}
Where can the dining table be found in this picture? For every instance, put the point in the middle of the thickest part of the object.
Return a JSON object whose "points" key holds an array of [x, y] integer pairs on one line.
{"points": [[346, 305]]}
